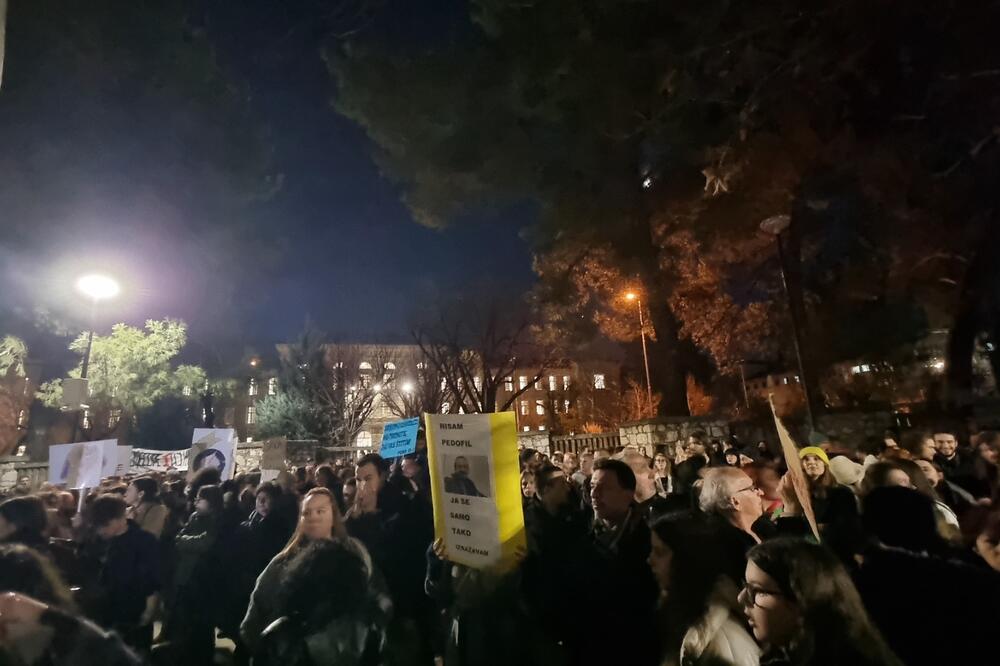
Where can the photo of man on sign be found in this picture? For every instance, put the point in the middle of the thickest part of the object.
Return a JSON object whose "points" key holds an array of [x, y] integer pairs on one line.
{"points": [[460, 482]]}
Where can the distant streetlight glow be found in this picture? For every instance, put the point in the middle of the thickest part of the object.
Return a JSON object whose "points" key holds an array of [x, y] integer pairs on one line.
{"points": [[407, 387], [631, 296], [97, 287], [647, 183], [377, 387]]}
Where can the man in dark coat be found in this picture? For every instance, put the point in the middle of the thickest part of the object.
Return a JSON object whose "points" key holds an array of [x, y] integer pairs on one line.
{"points": [[459, 482], [128, 577]]}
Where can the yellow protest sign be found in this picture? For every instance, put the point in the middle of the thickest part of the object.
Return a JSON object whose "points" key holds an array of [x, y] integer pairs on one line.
{"points": [[799, 483], [475, 487]]}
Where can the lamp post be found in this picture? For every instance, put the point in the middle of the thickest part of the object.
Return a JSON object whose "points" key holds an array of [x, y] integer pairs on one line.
{"points": [[775, 226], [97, 288], [633, 296]]}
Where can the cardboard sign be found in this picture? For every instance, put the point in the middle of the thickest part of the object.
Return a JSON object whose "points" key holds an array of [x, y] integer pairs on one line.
{"points": [[273, 454], [399, 438], [124, 460], [475, 486], [82, 464], [799, 482], [213, 447]]}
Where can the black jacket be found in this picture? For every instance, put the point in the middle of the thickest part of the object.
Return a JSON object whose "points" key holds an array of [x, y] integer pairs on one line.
{"points": [[129, 572], [958, 470]]}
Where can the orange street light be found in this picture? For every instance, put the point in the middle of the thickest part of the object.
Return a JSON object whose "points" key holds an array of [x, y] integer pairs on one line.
{"points": [[633, 296]]}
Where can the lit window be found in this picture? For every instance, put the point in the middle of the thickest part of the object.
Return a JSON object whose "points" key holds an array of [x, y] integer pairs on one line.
{"points": [[552, 382], [988, 347], [856, 370], [478, 381], [365, 365], [186, 391], [797, 380], [390, 366], [272, 386], [785, 379], [599, 382], [555, 406], [253, 387], [445, 407], [114, 416], [508, 384], [444, 384], [251, 415], [526, 428], [540, 407], [22, 418], [866, 368], [565, 382], [204, 414], [524, 408], [365, 381], [538, 383], [522, 382], [86, 419], [541, 427], [249, 439], [566, 406]]}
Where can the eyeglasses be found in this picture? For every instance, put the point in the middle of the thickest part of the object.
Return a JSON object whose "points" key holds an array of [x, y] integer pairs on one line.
{"points": [[752, 487], [750, 595]]}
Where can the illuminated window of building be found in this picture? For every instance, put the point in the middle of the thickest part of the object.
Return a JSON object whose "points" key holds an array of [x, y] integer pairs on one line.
{"points": [[86, 419], [251, 415], [552, 382], [253, 387], [478, 382], [565, 382], [272, 386], [566, 406], [541, 427], [365, 365], [22, 418], [445, 407], [599, 383], [390, 366], [526, 428], [363, 440], [540, 407], [524, 408], [522, 382], [114, 416], [508, 384], [538, 383], [186, 391]]}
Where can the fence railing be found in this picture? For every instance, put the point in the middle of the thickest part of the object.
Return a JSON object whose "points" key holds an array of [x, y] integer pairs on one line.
{"points": [[592, 441]]}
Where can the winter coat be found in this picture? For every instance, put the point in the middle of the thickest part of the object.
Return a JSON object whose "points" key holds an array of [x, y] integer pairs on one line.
{"points": [[150, 516], [129, 573], [719, 637], [62, 638]]}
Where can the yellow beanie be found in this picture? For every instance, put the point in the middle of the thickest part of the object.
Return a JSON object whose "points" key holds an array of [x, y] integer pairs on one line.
{"points": [[814, 451]]}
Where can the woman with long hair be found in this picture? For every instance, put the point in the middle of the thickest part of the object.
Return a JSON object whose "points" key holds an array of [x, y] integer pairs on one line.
{"points": [[24, 520], [804, 610], [698, 575], [144, 505], [661, 473], [834, 505], [319, 520]]}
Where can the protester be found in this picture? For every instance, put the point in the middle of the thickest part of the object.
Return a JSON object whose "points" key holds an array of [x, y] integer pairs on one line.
{"points": [[804, 609], [883, 474], [834, 506], [39, 623], [918, 445], [327, 478], [620, 581], [947, 521], [128, 575], [144, 505], [983, 478], [767, 479], [988, 541], [730, 494], [571, 463], [661, 474], [648, 501], [956, 464], [527, 486], [397, 533], [192, 614], [24, 520], [698, 579]]}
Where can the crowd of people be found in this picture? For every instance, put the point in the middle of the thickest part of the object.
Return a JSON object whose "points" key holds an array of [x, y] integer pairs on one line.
{"points": [[697, 556]]}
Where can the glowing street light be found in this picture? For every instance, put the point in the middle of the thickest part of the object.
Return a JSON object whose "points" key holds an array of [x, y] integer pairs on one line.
{"points": [[97, 287], [407, 387], [634, 296]]}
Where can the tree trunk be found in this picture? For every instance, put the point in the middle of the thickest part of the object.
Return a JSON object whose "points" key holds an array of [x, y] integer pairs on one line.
{"points": [[796, 302], [962, 337]]}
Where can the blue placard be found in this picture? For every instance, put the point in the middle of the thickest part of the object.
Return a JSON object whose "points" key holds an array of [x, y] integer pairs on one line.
{"points": [[399, 438]]}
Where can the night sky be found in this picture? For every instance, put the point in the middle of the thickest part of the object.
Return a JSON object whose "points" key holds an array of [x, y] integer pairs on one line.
{"points": [[334, 245]]}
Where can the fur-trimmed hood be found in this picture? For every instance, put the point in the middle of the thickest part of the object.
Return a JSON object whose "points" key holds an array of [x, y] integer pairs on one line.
{"points": [[720, 636]]}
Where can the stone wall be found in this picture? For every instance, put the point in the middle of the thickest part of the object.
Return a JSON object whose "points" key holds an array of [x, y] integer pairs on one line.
{"points": [[14, 469], [535, 440], [666, 433], [854, 427]]}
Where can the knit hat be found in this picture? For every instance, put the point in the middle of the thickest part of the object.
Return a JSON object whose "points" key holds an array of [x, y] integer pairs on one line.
{"points": [[814, 451], [846, 471]]}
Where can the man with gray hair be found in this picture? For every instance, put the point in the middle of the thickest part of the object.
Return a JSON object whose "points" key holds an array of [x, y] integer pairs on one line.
{"points": [[730, 494]]}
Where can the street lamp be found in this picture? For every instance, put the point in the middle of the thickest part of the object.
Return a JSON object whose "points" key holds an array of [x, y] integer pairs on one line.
{"points": [[775, 226], [97, 288], [634, 296]]}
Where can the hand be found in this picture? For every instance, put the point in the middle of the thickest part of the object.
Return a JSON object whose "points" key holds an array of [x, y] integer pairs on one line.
{"points": [[440, 551], [152, 605], [19, 615], [788, 496]]}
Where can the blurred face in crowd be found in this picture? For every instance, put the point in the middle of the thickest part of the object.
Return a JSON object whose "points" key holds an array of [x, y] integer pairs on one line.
{"points": [[112, 529], [744, 497], [773, 617], [897, 477], [263, 504], [601, 454], [768, 480], [610, 500], [369, 479], [131, 495], [569, 463], [587, 463], [946, 444], [660, 557], [528, 484], [350, 493], [988, 452], [557, 489], [928, 448], [202, 506], [813, 467], [410, 468], [929, 471], [660, 464], [316, 517], [694, 447], [732, 459]]}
